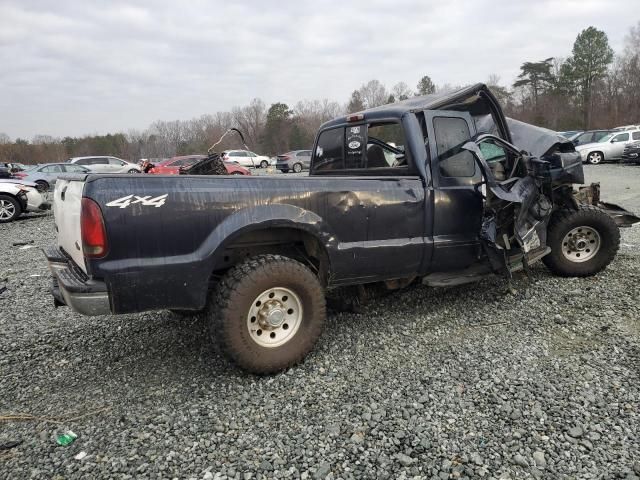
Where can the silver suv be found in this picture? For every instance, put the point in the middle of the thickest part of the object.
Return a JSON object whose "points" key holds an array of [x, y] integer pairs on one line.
{"points": [[608, 148]]}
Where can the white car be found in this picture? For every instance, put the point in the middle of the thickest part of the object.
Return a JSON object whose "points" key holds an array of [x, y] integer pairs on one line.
{"points": [[17, 197], [608, 148], [245, 158], [106, 164]]}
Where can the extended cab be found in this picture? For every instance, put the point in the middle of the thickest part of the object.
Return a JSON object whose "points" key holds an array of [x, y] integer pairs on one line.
{"points": [[441, 190]]}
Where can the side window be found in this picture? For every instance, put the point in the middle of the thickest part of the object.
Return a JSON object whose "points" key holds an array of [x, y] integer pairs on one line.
{"points": [[451, 134], [622, 137], [251, 154], [240, 154], [635, 135], [98, 161], [115, 161], [51, 169], [83, 161], [73, 168], [385, 146], [328, 154], [599, 135]]}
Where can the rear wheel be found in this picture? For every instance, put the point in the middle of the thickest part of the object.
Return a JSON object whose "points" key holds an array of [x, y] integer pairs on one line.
{"points": [[264, 164], [42, 186], [268, 313], [9, 209], [133, 170], [284, 170], [594, 158], [297, 168], [583, 242]]}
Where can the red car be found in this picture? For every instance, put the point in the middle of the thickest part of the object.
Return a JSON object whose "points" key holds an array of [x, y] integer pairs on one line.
{"points": [[172, 166]]}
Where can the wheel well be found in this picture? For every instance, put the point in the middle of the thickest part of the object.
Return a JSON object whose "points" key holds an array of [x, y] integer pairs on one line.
{"points": [[289, 242]]}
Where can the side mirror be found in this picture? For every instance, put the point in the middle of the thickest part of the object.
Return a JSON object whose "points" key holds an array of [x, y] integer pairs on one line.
{"points": [[613, 140]]}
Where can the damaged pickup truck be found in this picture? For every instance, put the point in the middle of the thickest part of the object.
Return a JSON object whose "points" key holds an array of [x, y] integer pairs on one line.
{"points": [[440, 189]]}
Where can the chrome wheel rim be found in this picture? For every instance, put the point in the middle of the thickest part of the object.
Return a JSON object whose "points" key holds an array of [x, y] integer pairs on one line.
{"points": [[595, 158], [581, 244], [274, 317], [7, 209]]}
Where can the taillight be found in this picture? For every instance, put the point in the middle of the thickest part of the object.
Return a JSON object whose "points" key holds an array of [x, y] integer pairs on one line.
{"points": [[94, 236]]}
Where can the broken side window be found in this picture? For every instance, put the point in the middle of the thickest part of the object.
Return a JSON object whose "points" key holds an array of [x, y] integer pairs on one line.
{"points": [[451, 134]]}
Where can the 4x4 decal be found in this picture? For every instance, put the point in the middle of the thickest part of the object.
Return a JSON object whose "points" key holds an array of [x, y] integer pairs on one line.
{"points": [[147, 201]]}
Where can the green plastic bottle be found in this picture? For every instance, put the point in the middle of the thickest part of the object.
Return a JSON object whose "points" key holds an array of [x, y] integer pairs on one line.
{"points": [[66, 438]]}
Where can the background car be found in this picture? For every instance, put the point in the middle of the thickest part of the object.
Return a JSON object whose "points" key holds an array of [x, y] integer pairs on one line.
{"points": [[590, 136], [45, 175], [106, 164], [17, 197], [609, 148], [569, 133], [296, 160], [625, 128], [246, 158], [631, 153], [12, 167], [172, 166]]}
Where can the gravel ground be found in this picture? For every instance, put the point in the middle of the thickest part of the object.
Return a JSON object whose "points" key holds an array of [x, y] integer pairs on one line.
{"points": [[464, 382]]}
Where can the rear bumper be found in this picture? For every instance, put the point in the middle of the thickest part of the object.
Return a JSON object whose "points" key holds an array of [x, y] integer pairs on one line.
{"points": [[73, 288]]}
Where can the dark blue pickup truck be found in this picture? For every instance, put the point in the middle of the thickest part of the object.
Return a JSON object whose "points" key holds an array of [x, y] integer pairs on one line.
{"points": [[441, 189]]}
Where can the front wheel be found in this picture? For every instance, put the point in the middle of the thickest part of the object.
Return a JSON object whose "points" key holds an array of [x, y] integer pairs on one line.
{"points": [[9, 209], [583, 242], [268, 313], [264, 164], [594, 158]]}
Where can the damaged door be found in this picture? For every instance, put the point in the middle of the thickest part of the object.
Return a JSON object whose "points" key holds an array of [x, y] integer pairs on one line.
{"points": [[458, 205]]}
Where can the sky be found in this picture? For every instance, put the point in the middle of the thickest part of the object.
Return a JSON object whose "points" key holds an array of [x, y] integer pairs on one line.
{"points": [[92, 67]]}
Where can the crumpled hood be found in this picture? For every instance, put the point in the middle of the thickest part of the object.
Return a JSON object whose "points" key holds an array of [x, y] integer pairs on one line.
{"points": [[537, 141]]}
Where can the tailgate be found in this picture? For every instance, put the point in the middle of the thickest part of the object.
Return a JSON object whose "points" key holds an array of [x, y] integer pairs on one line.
{"points": [[67, 200]]}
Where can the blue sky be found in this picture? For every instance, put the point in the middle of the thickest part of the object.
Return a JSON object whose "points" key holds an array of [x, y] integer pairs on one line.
{"points": [[83, 67]]}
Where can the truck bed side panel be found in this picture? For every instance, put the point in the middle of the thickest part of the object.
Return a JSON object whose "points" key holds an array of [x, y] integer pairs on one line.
{"points": [[161, 252]]}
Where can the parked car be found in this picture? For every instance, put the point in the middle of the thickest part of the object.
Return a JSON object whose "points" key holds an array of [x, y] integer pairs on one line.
{"points": [[17, 197], [570, 133], [625, 128], [631, 153], [590, 136], [296, 160], [5, 173], [12, 167], [45, 175], [245, 158], [106, 164], [609, 148], [258, 256], [173, 165]]}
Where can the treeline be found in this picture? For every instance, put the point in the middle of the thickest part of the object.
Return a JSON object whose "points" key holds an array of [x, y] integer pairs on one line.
{"points": [[591, 88]]}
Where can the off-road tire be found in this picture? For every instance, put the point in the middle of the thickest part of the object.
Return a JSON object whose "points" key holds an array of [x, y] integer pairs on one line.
{"points": [[297, 167], [564, 221], [17, 209], [234, 297]]}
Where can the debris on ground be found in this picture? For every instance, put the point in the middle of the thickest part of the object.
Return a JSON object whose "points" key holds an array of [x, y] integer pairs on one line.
{"points": [[66, 438]]}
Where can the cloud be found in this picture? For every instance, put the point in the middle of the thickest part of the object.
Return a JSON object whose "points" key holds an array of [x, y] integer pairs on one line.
{"points": [[93, 67]]}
